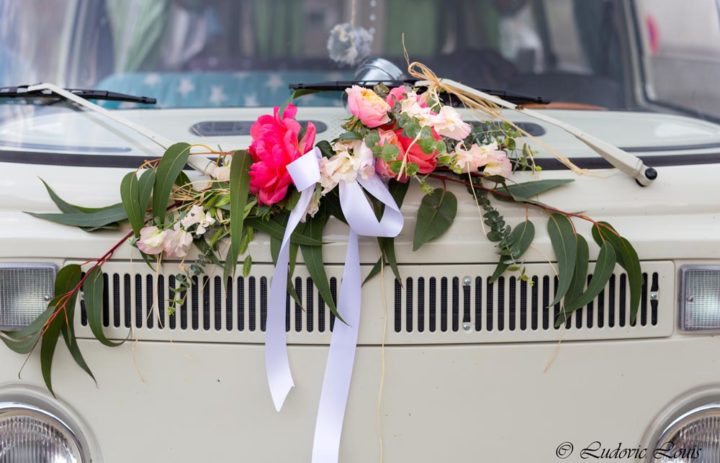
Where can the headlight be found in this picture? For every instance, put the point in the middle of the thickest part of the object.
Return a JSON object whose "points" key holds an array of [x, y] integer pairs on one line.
{"points": [[691, 437], [25, 290], [699, 298], [31, 435]]}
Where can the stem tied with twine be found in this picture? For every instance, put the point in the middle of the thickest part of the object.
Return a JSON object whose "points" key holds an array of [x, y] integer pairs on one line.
{"points": [[475, 102]]}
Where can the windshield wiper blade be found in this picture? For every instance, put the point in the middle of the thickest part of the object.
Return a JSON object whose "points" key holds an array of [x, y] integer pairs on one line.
{"points": [[340, 85], [23, 91]]}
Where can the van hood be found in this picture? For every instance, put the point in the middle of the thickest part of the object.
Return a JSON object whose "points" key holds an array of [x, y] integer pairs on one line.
{"points": [[68, 132], [84, 157]]}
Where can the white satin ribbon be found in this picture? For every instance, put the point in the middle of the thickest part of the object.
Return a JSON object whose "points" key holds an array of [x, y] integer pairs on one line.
{"points": [[305, 172], [362, 221], [338, 370]]}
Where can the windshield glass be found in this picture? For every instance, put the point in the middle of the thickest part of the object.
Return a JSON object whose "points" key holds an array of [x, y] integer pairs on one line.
{"points": [[580, 54]]}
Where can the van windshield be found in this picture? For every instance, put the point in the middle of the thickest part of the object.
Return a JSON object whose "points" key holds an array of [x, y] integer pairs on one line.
{"points": [[581, 54]]}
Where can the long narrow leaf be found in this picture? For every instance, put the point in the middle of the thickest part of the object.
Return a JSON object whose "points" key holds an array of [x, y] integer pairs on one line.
{"points": [[146, 184], [312, 255], [68, 332], [582, 260], [93, 289], [64, 206], [170, 166], [130, 195], [628, 259], [106, 216], [47, 350], [528, 190], [564, 243], [601, 275], [65, 281], [239, 189]]}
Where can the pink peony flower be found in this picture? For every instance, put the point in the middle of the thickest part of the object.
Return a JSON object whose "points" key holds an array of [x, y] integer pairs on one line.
{"points": [[275, 145], [152, 240], [367, 106]]}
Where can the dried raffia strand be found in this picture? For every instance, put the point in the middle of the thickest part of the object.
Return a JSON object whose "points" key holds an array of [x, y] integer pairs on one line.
{"points": [[476, 103]]}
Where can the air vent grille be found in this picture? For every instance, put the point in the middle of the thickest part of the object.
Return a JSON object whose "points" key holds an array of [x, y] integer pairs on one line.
{"points": [[444, 304], [509, 304]]}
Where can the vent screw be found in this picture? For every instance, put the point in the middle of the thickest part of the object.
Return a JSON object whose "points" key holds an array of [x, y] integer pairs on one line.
{"points": [[47, 298], [467, 281], [690, 299], [653, 296], [466, 326]]}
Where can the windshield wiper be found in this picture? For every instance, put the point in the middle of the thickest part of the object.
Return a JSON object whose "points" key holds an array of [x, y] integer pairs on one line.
{"points": [[345, 84], [23, 91]]}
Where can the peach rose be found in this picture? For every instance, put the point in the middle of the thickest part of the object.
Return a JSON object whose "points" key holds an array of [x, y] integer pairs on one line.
{"points": [[367, 106]]}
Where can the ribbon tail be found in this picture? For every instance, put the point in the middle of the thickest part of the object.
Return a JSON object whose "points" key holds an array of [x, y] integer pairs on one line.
{"points": [[339, 367], [277, 364]]}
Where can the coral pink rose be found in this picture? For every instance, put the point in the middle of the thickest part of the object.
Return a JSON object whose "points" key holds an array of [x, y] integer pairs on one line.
{"points": [[275, 145], [381, 167], [426, 162], [367, 106]]}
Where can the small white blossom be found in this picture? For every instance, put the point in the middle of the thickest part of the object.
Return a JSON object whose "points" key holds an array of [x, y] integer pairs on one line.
{"points": [[197, 216]]}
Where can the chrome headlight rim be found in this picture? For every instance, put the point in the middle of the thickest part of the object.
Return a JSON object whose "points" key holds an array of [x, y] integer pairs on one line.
{"points": [[680, 409], [682, 299], [38, 398], [20, 409]]}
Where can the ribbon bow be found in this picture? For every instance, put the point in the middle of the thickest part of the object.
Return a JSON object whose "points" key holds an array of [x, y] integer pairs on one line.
{"points": [[305, 172]]}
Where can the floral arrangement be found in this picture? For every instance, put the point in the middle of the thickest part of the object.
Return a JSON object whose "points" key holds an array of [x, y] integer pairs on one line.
{"points": [[401, 136]]}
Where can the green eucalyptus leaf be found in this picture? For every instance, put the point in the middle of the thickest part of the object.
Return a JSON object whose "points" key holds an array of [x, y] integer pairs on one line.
{"points": [[93, 220], [564, 243], [500, 268], [374, 271], [601, 275], [239, 190], [93, 290], [68, 332], [168, 170], [130, 195], [521, 238], [247, 266], [313, 257], [628, 259], [436, 213], [65, 281], [64, 206], [518, 242], [582, 260], [145, 184], [528, 190], [24, 340], [48, 344]]}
